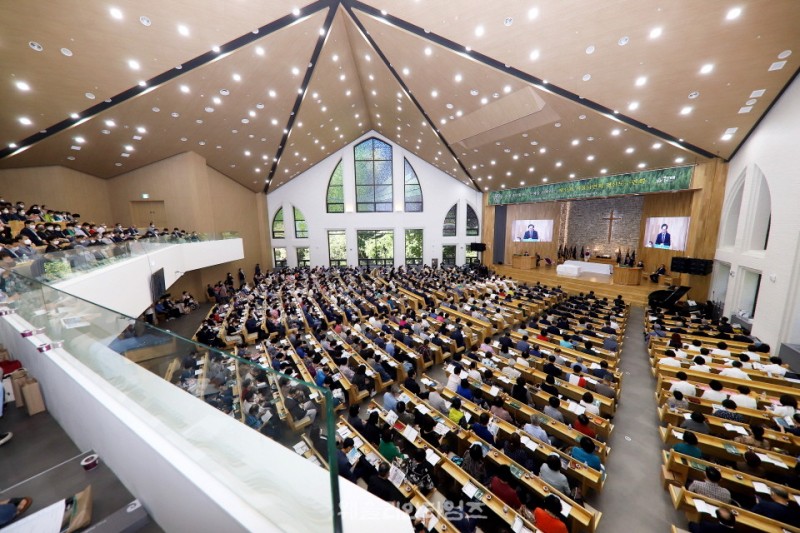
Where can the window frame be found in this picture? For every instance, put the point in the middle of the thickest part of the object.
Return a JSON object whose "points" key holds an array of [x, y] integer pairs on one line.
{"points": [[303, 262], [406, 168], [282, 221], [453, 210], [328, 203], [414, 261], [371, 262], [302, 219], [446, 260], [337, 262], [387, 206], [477, 228], [284, 263]]}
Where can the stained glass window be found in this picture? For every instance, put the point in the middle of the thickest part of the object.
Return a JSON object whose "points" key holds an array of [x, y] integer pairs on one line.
{"points": [[450, 219], [278, 231], [413, 190], [373, 176], [335, 196]]}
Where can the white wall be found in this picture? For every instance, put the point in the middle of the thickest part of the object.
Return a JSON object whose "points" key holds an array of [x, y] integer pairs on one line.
{"points": [[125, 286], [771, 152], [308, 193]]}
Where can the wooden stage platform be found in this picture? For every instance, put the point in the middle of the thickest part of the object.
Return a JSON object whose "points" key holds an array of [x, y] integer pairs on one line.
{"points": [[602, 285]]}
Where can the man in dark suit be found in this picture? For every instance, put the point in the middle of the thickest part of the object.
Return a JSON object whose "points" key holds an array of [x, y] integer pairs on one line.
{"points": [[659, 272], [531, 234], [29, 231], [458, 336], [663, 238]]}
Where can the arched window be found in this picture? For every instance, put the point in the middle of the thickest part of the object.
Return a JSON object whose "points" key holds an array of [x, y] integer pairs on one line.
{"points": [[473, 226], [300, 226], [413, 190], [335, 197], [373, 176], [450, 219], [278, 231]]}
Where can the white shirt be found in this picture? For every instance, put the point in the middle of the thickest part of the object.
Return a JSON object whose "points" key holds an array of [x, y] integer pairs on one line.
{"points": [[776, 370], [685, 387], [753, 356], [523, 362], [734, 372], [744, 400], [474, 375], [669, 361], [715, 396], [681, 354], [453, 381], [511, 372], [701, 368], [723, 353], [591, 408], [783, 411], [693, 348]]}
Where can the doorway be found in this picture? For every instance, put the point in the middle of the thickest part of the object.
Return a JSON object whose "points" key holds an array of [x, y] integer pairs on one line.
{"points": [[144, 212]]}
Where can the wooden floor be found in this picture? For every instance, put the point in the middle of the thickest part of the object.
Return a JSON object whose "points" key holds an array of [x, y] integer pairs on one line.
{"points": [[601, 284]]}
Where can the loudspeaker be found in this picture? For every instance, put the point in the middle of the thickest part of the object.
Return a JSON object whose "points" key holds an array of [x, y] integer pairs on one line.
{"points": [[477, 246], [679, 264], [700, 267]]}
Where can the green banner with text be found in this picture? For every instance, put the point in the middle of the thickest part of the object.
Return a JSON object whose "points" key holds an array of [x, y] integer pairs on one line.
{"points": [[665, 179]]}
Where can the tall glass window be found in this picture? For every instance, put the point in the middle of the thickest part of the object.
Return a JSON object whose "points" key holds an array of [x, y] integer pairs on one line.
{"points": [[337, 247], [413, 190], [334, 202], [375, 247], [278, 230], [414, 246], [449, 254], [280, 257], [303, 256], [450, 219], [471, 256], [373, 159], [300, 226], [473, 226]]}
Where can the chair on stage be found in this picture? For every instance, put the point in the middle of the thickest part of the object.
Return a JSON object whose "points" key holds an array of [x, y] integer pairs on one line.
{"points": [[548, 262]]}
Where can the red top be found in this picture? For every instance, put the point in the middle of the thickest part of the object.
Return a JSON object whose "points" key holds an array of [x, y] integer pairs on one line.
{"points": [[505, 492], [547, 523], [586, 430], [541, 337]]}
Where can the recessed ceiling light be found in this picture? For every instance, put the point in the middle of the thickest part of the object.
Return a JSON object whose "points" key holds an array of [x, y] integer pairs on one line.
{"points": [[110, 123], [731, 131], [629, 150], [641, 165], [656, 146], [542, 150], [141, 129], [623, 40], [544, 180], [590, 49], [641, 80], [74, 116], [295, 71], [572, 175], [633, 106], [534, 55], [156, 110], [686, 110], [115, 12], [128, 148], [434, 93], [90, 96], [745, 109], [507, 89], [183, 30], [693, 95], [457, 78], [679, 160], [655, 33], [236, 77], [259, 51], [133, 64], [484, 100], [145, 21], [575, 142], [36, 47], [479, 31], [777, 66], [558, 164], [707, 68], [296, 11], [615, 132], [586, 77], [25, 121], [175, 114], [185, 89], [224, 92], [22, 86], [142, 83], [271, 93], [733, 13], [590, 158]]}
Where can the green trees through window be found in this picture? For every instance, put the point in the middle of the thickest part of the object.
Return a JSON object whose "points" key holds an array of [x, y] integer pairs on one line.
{"points": [[375, 247], [278, 230], [337, 247], [300, 226], [335, 198], [414, 246]]}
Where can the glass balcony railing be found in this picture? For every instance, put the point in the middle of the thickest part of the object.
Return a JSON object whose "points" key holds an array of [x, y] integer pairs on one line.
{"points": [[64, 264], [191, 394]]}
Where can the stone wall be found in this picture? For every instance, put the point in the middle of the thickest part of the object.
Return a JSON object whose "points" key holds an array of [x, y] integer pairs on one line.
{"points": [[586, 224]]}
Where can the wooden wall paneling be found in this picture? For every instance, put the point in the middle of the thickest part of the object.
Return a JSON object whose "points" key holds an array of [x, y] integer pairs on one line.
{"points": [[487, 232], [678, 204]]}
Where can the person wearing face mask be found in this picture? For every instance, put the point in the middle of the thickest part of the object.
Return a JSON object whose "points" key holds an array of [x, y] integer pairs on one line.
{"points": [[5, 234], [7, 215], [29, 232], [25, 247]]}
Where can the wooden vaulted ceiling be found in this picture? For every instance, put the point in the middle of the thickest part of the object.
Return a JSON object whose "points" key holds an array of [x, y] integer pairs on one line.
{"points": [[496, 95]]}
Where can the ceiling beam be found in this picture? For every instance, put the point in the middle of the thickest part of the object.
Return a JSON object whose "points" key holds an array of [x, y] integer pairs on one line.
{"points": [[166, 76], [348, 5], [312, 64], [519, 74]]}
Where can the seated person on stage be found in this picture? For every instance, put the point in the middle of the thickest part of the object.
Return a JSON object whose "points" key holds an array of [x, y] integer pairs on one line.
{"points": [[660, 271]]}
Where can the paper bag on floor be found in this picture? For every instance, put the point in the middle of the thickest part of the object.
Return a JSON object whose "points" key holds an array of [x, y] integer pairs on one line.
{"points": [[18, 378], [33, 396], [8, 390]]}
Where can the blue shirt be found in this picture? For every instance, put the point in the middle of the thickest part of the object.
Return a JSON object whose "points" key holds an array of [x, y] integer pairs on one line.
{"points": [[589, 459], [464, 392], [483, 432], [389, 401]]}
